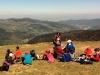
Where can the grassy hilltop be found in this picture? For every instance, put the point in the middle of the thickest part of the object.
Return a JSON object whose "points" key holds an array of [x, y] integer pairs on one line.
{"points": [[41, 67]]}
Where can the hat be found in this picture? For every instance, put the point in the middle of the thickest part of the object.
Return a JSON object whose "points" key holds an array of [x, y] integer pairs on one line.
{"points": [[47, 51], [69, 41], [26, 52], [11, 54]]}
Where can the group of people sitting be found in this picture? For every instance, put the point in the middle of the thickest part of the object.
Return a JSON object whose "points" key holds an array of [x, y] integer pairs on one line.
{"points": [[18, 57], [88, 57], [64, 55], [68, 53]]}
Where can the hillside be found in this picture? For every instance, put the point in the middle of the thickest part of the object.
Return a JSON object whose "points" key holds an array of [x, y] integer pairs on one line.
{"points": [[84, 24], [78, 35], [18, 31], [36, 26]]}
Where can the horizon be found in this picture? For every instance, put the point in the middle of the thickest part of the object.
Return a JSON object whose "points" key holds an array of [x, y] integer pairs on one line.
{"points": [[54, 10], [55, 20]]}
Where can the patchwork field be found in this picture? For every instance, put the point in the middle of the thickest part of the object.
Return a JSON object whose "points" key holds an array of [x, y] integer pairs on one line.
{"points": [[42, 67]]}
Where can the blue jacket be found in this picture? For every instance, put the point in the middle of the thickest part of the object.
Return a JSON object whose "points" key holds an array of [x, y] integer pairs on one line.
{"points": [[70, 48], [66, 57], [27, 59]]}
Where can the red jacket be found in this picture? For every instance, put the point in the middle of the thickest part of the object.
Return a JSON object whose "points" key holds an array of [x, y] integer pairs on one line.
{"points": [[97, 57], [58, 50], [88, 51]]}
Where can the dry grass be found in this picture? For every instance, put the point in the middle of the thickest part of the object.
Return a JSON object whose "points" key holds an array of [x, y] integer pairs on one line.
{"points": [[41, 67]]}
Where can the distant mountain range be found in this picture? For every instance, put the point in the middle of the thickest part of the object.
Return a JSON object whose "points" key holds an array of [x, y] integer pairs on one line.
{"points": [[17, 31], [92, 24]]}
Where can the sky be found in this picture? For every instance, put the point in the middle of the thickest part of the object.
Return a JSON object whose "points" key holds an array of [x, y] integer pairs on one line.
{"points": [[50, 9]]}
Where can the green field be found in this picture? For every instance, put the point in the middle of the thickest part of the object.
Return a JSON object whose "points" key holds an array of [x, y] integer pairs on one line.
{"points": [[42, 67]]}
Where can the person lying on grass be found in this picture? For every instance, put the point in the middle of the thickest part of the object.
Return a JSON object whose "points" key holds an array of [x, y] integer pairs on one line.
{"points": [[85, 60]]}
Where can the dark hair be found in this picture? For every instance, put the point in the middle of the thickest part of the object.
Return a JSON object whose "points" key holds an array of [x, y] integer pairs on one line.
{"points": [[17, 47], [66, 51], [96, 49], [58, 33], [32, 52], [8, 50]]}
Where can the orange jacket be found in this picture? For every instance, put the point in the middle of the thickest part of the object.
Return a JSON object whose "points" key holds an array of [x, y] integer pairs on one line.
{"points": [[18, 53]]}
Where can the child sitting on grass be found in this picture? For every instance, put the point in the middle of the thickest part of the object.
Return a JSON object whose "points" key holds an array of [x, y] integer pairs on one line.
{"points": [[88, 51], [48, 56], [9, 57], [17, 54], [57, 52], [26, 58], [66, 57], [96, 57]]}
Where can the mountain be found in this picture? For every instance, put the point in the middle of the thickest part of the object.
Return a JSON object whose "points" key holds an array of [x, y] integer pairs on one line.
{"points": [[17, 31], [39, 27], [92, 24]]}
